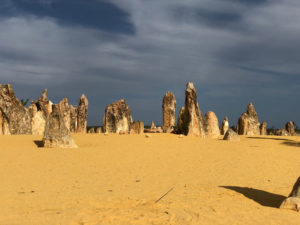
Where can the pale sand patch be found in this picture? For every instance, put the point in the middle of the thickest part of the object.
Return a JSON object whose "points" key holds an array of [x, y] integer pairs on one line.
{"points": [[117, 179]]}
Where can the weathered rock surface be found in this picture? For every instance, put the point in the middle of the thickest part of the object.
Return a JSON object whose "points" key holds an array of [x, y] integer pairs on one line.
{"points": [[169, 112], [152, 125], [289, 129], [263, 128], [4, 126], [14, 114], [73, 119], [99, 130], [230, 135], [224, 126], [57, 135], [211, 125], [293, 200], [248, 123], [82, 114], [117, 117], [91, 130], [39, 111], [137, 127], [65, 112], [192, 120], [179, 126]]}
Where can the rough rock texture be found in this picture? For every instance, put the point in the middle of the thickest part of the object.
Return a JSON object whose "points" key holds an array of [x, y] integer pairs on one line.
{"points": [[211, 125], [192, 121], [137, 127], [39, 111], [82, 114], [91, 130], [117, 117], [169, 112], [289, 129], [65, 112], [248, 123], [230, 135], [152, 125], [99, 130], [263, 128], [73, 119], [57, 135], [224, 126], [293, 200], [16, 115], [179, 125], [4, 126]]}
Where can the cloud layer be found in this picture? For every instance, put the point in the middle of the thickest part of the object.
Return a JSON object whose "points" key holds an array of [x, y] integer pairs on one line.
{"points": [[234, 52]]}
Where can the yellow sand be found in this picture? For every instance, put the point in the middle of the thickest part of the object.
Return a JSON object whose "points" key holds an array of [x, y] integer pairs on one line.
{"points": [[117, 179]]}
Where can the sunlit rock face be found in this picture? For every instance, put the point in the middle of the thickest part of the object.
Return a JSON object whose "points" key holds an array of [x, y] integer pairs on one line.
{"points": [[117, 117], [57, 135], [211, 125], [248, 123], [15, 118], [224, 126], [137, 127], [169, 112], [82, 114], [289, 129], [293, 200]]}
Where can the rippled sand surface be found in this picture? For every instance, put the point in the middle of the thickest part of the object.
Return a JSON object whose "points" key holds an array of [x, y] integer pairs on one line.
{"points": [[119, 180]]}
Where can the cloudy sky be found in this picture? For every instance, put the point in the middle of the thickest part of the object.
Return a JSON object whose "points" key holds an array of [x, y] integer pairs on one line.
{"points": [[235, 51]]}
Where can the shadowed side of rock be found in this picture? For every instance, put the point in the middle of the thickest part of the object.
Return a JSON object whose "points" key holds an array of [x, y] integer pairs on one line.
{"points": [[230, 135], [293, 200], [248, 123], [57, 135], [289, 129], [117, 117], [263, 128], [14, 114]]}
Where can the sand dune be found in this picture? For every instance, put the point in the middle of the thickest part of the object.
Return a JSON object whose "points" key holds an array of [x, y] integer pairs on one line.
{"points": [[117, 179]]}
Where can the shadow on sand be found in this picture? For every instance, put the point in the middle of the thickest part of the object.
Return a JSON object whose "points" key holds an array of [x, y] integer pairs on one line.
{"points": [[39, 144], [262, 197], [285, 141]]}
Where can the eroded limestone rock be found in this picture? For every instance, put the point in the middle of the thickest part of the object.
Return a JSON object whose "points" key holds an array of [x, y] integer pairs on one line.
{"points": [[82, 114], [289, 129], [293, 200], [169, 112], [4, 126], [117, 117], [65, 112], [224, 126], [57, 135], [73, 119], [230, 135], [137, 127], [248, 123], [263, 128], [14, 115], [211, 125]]}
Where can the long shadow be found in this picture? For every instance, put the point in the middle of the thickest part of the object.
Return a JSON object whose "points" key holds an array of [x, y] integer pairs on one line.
{"points": [[264, 198], [270, 138], [39, 143], [291, 143], [288, 142]]}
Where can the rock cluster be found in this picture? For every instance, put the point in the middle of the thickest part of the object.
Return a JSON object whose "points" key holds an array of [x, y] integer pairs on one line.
{"points": [[289, 129], [248, 123], [211, 125], [14, 117], [190, 121], [57, 134], [169, 112], [293, 200], [137, 127], [117, 117], [224, 126]]}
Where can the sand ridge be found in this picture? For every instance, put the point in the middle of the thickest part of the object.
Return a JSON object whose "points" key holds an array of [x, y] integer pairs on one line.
{"points": [[116, 179]]}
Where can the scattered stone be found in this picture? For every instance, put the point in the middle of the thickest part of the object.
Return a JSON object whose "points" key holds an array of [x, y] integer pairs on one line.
{"points": [[117, 117], [230, 135], [137, 127], [293, 200], [13, 114], [180, 136], [211, 125], [169, 112], [191, 118], [91, 130], [57, 135], [263, 128], [289, 129], [82, 114], [106, 133], [147, 135], [225, 126], [248, 123]]}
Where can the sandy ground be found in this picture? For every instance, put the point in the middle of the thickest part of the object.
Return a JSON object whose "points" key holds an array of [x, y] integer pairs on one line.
{"points": [[118, 179]]}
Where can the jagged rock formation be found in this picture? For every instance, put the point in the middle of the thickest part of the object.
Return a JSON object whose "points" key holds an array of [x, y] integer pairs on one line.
{"points": [[224, 126], [65, 112], [39, 111], [248, 123], [4, 126], [230, 135], [211, 125], [91, 130], [137, 127], [293, 200], [82, 114], [289, 129], [13, 114], [73, 119], [192, 121], [117, 117], [57, 135], [263, 128], [169, 112]]}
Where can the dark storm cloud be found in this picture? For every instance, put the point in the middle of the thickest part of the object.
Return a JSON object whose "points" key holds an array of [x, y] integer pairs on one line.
{"points": [[234, 51]]}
